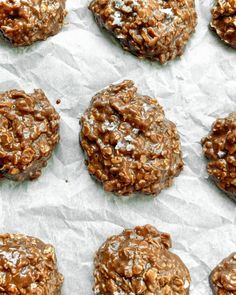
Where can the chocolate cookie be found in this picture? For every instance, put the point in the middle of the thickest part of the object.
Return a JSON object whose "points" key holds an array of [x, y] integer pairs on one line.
{"points": [[29, 132], [28, 266], [158, 30], [138, 261], [26, 21], [129, 144], [223, 277], [219, 147], [224, 21]]}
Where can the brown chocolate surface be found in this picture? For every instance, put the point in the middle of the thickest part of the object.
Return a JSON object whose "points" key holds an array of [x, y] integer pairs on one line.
{"points": [[28, 266], [29, 132], [26, 21], [224, 21], [158, 30], [223, 277], [129, 144], [138, 261], [219, 147]]}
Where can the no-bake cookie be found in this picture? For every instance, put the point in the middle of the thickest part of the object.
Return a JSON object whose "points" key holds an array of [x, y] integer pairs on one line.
{"points": [[138, 261], [29, 132], [158, 30], [219, 147], [25, 21], [223, 277], [224, 21], [28, 266], [129, 144]]}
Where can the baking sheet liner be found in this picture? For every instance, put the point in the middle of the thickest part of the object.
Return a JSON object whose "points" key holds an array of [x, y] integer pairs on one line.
{"points": [[65, 206]]}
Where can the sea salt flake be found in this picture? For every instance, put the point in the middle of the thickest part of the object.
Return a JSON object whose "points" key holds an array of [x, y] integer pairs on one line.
{"points": [[186, 284], [128, 138], [110, 126], [135, 3], [147, 107], [119, 145], [117, 19], [129, 147], [221, 154], [118, 3], [127, 8], [90, 121], [168, 11]]}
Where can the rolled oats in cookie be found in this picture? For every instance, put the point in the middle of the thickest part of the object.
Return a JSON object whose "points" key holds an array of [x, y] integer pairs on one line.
{"points": [[130, 145], [29, 132], [28, 266], [219, 147], [25, 21], [224, 21], [138, 261], [158, 30], [223, 277]]}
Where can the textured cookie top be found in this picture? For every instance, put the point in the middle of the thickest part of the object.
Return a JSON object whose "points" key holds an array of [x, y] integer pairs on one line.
{"points": [[27, 266], [138, 262], [223, 277], [29, 131], [224, 21], [220, 149], [130, 145], [26, 21], [157, 30]]}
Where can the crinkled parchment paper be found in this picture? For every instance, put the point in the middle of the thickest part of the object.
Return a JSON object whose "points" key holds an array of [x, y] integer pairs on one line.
{"points": [[65, 206]]}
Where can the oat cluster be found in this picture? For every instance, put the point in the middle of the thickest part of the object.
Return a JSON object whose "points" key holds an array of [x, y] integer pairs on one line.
{"points": [[223, 277], [220, 149], [129, 144], [29, 131], [158, 30], [224, 21], [25, 21], [28, 266], [138, 261]]}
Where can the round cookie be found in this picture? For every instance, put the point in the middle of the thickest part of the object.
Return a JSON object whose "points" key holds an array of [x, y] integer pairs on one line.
{"points": [[29, 132], [223, 277], [224, 21], [28, 266], [25, 21], [129, 144], [219, 147], [138, 261], [158, 30]]}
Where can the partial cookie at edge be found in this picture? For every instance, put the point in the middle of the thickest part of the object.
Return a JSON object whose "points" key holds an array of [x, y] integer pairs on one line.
{"points": [[223, 277], [29, 132], [157, 30], [28, 266], [219, 147], [224, 21], [28, 21], [138, 261]]}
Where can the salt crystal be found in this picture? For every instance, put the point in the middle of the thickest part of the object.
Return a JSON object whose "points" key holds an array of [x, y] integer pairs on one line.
{"points": [[147, 107], [119, 145], [129, 147], [168, 11], [117, 19], [186, 284], [128, 138], [109, 125], [221, 154]]}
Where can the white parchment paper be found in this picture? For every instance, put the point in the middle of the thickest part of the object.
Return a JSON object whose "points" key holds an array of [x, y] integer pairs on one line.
{"points": [[65, 206]]}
